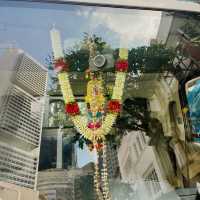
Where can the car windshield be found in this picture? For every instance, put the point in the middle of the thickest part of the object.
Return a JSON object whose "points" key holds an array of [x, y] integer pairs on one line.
{"points": [[99, 101]]}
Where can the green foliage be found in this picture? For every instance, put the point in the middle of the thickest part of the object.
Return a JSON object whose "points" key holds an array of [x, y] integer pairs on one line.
{"points": [[146, 59], [135, 115], [78, 60], [100, 44], [191, 28], [150, 59], [192, 31]]}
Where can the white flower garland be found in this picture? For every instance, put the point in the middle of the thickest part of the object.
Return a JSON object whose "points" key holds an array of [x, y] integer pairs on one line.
{"points": [[79, 121]]}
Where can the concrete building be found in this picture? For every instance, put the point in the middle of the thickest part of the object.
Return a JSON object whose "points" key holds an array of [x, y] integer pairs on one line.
{"points": [[10, 191], [158, 163], [54, 115], [152, 163], [141, 167], [182, 32], [72, 184], [57, 151], [23, 84], [112, 161]]}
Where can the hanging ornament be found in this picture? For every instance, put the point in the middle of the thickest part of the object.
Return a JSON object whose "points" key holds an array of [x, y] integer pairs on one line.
{"points": [[100, 115], [96, 101], [100, 124]]}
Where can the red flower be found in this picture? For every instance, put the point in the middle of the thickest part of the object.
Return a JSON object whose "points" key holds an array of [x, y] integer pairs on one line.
{"points": [[121, 65], [93, 125], [60, 65], [114, 106], [72, 108], [98, 125]]}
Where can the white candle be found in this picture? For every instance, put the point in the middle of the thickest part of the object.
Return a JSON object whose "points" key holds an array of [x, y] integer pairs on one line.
{"points": [[123, 47], [56, 43]]}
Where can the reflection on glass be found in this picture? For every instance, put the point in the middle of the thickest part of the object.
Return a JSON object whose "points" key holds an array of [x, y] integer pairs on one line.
{"points": [[110, 24], [164, 51], [48, 154], [193, 96], [57, 116]]}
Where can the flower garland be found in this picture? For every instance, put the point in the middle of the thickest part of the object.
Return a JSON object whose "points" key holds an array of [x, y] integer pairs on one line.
{"points": [[101, 179], [105, 178], [91, 131], [96, 125], [97, 181]]}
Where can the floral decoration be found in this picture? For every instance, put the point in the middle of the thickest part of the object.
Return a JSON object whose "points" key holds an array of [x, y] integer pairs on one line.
{"points": [[72, 108], [114, 106], [121, 65], [61, 65], [93, 125], [99, 124]]}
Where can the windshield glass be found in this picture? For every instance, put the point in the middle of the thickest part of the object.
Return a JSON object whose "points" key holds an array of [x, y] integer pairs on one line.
{"points": [[102, 97]]}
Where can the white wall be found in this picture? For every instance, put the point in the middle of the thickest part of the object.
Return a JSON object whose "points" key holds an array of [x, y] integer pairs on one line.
{"points": [[137, 160]]}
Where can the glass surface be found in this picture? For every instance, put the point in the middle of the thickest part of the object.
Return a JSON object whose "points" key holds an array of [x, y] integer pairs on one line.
{"points": [[153, 148], [193, 101]]}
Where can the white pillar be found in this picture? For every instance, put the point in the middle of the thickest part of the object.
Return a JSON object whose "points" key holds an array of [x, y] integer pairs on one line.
{"points": [[59, 149]]}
